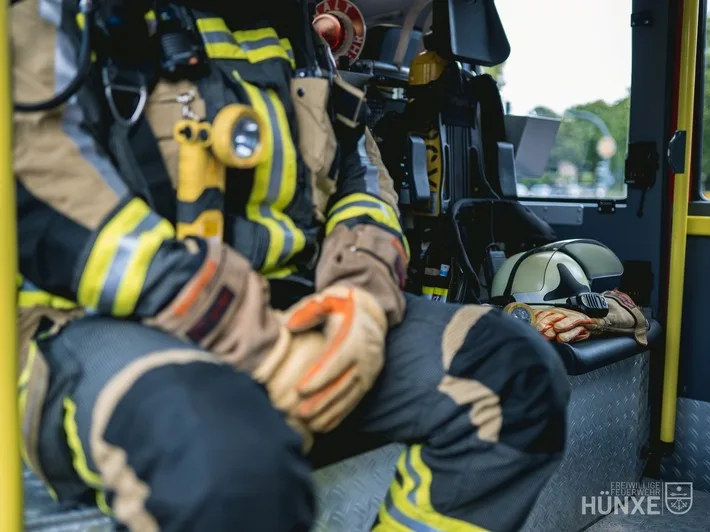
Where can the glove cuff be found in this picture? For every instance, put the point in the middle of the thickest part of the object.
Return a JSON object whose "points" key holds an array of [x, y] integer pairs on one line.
{"points": [[369, 258], [225, 308], [625, 317]]}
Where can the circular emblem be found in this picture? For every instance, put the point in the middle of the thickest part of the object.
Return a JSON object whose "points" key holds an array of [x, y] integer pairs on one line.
{"points": [[348, 39]]}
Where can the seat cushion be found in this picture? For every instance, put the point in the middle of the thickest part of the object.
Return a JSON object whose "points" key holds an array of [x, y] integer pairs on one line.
{"points": [[586, 356]]}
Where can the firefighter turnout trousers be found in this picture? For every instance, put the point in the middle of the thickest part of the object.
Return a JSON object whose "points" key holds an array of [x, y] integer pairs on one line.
{"points": [[164, 437]]}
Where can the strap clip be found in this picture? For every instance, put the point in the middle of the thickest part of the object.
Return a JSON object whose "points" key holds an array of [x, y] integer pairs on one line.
{"points": [[115, 85]]}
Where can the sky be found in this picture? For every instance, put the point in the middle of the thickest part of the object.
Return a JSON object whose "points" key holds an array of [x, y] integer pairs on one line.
{"points": [[566, 52]]}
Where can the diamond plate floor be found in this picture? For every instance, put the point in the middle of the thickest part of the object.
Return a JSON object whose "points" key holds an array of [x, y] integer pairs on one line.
{"points": [[691, 460], [696, 520]]}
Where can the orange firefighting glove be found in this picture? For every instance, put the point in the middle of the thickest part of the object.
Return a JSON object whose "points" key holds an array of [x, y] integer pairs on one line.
{"points": [[569, 326], [353, 327]]}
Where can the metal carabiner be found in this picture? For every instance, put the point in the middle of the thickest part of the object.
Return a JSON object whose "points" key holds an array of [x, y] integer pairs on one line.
{"points": [[141, 90]]}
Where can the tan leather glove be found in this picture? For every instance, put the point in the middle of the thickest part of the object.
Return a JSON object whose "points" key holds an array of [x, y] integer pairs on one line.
{"points": [[304, 351], [569, 326], [354, 328], [225, 309]]}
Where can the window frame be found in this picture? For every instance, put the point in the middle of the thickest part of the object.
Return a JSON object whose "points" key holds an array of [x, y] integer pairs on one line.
{"points": [[697, 192]]}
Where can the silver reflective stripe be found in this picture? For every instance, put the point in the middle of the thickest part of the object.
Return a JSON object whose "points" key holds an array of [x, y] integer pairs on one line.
{"points": [[126, 248], [212, 37], [260, 43], [405, 520], [65, 64], [413, 475], [372, 174], [276, 178]]}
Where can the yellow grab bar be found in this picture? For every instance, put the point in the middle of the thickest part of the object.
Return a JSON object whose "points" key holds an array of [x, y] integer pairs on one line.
{"points": [[679, 229], [10, 465]]}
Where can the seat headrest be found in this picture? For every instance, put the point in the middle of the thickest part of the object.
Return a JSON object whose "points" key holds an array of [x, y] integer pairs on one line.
{"points": [[476, 33]]}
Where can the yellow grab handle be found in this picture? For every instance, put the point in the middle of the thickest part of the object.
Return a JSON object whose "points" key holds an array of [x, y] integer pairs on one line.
{"points": [[10, 463], [679, 227]]}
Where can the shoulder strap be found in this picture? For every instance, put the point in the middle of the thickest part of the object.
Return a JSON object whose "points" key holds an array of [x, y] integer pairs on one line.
{"points": [[136, 151]]}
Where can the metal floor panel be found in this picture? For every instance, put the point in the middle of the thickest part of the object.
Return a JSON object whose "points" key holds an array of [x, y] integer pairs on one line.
{"points": [[696, 520], [609, 421], [691, 460], [42, 514]]}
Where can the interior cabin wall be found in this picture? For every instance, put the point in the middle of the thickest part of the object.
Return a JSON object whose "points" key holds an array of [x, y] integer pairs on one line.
{"points": [[691, 459], [634, 238], [630, 236]]}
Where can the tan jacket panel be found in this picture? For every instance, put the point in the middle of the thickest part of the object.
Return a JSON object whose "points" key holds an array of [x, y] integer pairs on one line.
{"points": [[54, 157], [163, 111], [387, 192]]}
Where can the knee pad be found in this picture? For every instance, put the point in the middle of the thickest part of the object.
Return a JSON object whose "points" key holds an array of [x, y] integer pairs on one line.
{"points": [[212, 452], [516, 364]]}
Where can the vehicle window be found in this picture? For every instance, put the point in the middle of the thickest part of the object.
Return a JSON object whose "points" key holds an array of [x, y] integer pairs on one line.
{"points": [[571, 60], [705, 166]]}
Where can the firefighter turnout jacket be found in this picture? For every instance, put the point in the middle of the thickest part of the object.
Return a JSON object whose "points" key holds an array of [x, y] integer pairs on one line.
{"points": [[114, 197]]}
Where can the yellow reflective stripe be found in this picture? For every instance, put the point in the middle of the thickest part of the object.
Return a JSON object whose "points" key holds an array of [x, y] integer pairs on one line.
{"points": [[281, 273], [116, 269], [252, 45], [274, 181], [273, 51], [29, 296], [434, 291], [425, 511], [255, 35], [286, 45], [218, 40], [261, 44], [214, 24], [359, 204], [24, 378], [81, 20], [388, 524], [23, 381], [22, 404], [38, 298], [105, 248], [260, 189], [79, 458], [134, 277], [399, 497], [102, 504], [288, 178]]}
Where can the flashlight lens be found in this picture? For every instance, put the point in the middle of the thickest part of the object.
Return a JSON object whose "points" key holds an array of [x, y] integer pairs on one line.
{"points": [[245, 138]]}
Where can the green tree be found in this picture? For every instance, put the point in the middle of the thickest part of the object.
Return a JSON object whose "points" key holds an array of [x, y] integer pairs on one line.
{"points": [[496, 72], [577, 138]]}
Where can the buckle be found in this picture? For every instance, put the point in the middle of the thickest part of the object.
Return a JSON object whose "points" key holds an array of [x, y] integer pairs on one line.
{"points": [[349, 103]]}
